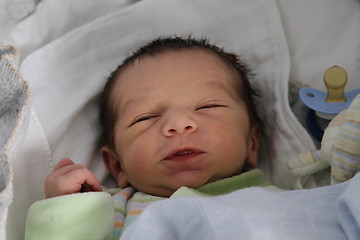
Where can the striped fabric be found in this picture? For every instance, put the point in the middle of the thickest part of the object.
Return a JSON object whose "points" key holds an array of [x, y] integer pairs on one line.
{"points": [[307, 163], [346, 154], [128, 205]]}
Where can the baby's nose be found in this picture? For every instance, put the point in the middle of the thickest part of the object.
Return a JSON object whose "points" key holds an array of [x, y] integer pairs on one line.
{"points": [[179, 121]]}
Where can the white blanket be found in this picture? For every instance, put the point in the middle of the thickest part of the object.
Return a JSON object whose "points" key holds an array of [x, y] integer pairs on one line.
{"points": [[329, 213], [69, 47], [68, 73]]}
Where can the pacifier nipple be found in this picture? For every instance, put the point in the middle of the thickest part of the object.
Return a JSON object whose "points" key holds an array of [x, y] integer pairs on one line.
{"points": [[327, 105], [335, 79]]}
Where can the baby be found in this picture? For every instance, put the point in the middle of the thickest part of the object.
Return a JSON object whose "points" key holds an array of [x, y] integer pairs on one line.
{"points": [[177, 113]]}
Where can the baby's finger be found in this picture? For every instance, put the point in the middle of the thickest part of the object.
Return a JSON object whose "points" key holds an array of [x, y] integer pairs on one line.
{"points": [[63, 163], [70, 179], [91, 184], [80, 177], [67, 169]]}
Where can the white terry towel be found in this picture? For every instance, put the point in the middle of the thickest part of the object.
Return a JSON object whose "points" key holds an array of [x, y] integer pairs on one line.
{"points": [[14, 114]]}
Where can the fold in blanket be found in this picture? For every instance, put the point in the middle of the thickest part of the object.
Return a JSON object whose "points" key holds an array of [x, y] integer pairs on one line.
{"points": [[14, 106], [12, 11]]}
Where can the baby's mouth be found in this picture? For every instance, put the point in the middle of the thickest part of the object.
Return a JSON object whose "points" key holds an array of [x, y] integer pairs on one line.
{"points": [[183, 153]]}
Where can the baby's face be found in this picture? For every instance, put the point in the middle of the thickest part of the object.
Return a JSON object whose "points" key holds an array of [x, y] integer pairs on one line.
{"points": [[179, 122]]}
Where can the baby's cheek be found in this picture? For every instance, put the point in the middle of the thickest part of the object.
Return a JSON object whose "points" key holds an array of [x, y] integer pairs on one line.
{"points": [[232, 141], [125, 142], [137, 152], [130, 135]]}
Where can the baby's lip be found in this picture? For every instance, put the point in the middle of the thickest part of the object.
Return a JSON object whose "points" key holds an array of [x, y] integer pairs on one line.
{"points": [[183, 152]]}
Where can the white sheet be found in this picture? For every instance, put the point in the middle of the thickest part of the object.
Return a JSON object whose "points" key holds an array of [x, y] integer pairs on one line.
{"points": [[53, 19], [12, 11], [321, 34], [68, 73]]}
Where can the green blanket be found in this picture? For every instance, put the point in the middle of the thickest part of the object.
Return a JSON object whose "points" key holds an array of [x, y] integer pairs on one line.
{"points": [[91, 215]]}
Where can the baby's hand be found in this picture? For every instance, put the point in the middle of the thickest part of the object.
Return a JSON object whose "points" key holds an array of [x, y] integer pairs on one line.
{"points": [[68, 177]]}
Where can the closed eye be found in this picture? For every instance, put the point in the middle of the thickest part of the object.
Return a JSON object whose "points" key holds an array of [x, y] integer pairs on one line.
{"points": [[210, 106], [143, 118]]}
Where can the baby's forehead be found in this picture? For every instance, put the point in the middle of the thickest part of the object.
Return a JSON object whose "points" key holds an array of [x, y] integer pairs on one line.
{"points": [[208, 61], [196, 53]]}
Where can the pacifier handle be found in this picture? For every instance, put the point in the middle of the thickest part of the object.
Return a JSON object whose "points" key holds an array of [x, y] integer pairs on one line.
{"points": [[328, 104], [335, 79]]}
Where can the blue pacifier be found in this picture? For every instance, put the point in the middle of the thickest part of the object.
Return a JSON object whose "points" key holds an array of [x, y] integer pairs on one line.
{"points": [[327, 105]]}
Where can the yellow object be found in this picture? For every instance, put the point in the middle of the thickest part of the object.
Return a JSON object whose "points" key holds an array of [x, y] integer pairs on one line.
{"points": [[335, 79]]}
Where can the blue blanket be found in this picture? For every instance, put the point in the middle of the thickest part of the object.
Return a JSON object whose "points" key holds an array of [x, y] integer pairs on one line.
{"points": [[256, 213]]}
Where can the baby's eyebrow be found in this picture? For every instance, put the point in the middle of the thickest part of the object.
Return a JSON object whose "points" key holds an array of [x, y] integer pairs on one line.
{"points": [[225, 85], [139, 103], [128, 103], [125, 104]]}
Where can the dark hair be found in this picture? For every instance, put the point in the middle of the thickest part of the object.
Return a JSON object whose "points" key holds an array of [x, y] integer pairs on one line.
{"points": [[161, 45]]}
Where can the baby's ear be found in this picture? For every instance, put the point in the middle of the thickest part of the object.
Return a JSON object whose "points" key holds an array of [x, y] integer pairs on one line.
{"points": [[253, 145], [112, 163]]}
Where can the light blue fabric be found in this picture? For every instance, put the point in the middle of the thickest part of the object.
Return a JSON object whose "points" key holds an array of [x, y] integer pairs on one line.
{"points": [[348, 209], [256, 213]]}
